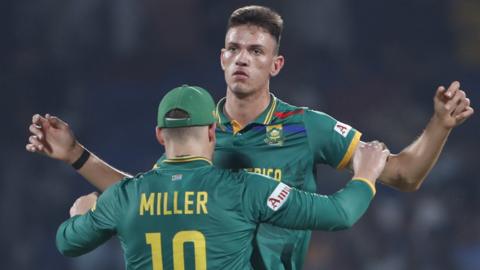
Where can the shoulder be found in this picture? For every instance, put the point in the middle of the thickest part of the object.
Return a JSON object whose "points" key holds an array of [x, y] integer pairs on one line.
{"points": [[131, 183], [231, 178], [321, 122], [143, 176], [288, 112], [319, 116], [256, 181]]}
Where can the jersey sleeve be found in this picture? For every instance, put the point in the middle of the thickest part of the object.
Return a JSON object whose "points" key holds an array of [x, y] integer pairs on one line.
{"points": [[83, 233], [268, 201], [332, 142]]}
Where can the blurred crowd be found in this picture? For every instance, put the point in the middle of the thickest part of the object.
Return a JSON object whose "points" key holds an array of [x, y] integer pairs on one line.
{"points": [[103, 65]]}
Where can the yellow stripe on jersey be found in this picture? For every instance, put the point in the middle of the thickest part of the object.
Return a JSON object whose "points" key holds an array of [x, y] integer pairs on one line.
{"points": [[351, 148], [366, 181], [186, 159], [269, 116], [217, 111]]}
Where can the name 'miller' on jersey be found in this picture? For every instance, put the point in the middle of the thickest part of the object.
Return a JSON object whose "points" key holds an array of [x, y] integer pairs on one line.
{"points": [[166, 203], [278, 196]]}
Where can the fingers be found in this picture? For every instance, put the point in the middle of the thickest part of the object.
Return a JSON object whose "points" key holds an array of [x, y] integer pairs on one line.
{"points": [[31, 148], [386, 153], [55, 121], [465, 114], [83, 204], [451, 105], [461, 106], [34, 144], [38, 120], [378, 147], [441, 93], [36, 130], [383, 146], [452, 89]]}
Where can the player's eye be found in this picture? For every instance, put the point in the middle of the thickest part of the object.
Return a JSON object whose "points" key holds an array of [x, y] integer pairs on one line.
{"points": [[232, 49], [257, 51]]}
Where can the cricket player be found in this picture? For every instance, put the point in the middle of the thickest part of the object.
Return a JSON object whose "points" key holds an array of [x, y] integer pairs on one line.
{"points": [[258, 132], [187, 213]]}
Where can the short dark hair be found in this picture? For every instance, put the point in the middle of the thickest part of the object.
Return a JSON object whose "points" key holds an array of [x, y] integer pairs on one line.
{"points": [[260, 16]]}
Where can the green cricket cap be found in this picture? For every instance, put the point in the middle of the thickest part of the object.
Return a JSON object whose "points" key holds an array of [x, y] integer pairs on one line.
{"points": [[193, 100]]}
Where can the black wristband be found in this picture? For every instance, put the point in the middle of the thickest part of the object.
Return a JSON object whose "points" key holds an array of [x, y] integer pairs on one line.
{"points": [[78, 164]]}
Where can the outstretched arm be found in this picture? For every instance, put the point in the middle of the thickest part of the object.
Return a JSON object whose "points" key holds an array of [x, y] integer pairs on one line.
{"points": [[296, 209], [407, 169], [53, 137]]}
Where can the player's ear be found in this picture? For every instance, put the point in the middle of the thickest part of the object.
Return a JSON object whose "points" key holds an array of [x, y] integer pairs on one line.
{"points": [[160, 137], [277, 65], [222, 51], [211, 132]]}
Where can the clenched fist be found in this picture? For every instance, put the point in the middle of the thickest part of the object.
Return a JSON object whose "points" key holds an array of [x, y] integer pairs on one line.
{"points": [[83, 204]]}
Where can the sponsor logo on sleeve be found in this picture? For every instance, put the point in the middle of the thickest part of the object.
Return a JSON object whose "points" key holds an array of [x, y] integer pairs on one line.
{"points": [[278, 196], [342, 129]]}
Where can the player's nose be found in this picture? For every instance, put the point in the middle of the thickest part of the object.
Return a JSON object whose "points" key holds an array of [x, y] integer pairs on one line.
{"points": [[242, 58]]}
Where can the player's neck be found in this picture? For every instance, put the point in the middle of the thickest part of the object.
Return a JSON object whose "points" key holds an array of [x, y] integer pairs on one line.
{"points": [[176, 150], [246, 109]]}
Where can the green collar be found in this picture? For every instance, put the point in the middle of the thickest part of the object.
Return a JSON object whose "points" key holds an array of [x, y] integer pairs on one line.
{"points": [[187, 162], [264, 119]]}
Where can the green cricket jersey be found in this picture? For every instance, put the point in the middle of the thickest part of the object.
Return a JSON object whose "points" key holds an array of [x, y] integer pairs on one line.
{"points": [[285, 142], [188, 214]]}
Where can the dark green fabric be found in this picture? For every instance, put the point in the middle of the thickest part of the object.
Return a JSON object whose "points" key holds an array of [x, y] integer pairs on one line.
{"points": [[237, 202]]}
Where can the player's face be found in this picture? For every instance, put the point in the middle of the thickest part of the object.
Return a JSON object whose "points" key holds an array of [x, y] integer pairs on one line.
{"points": [[249, 59]]}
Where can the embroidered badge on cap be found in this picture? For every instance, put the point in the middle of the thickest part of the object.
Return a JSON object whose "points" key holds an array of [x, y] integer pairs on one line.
{"points": [[278, 196]]}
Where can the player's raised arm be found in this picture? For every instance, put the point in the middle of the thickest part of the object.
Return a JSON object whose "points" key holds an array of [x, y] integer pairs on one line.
{"points": [[407, 170], [53, 137], [295, 209]]}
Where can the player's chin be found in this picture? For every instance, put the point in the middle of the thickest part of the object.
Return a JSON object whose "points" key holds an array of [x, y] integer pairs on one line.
{"points": [[240, 89]]}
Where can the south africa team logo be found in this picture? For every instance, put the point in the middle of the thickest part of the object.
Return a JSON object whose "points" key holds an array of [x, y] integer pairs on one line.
{"points": [[274, 135]]}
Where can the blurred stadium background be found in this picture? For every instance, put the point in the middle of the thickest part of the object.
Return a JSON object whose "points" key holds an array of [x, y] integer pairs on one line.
{"points": [[103, 65]]}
